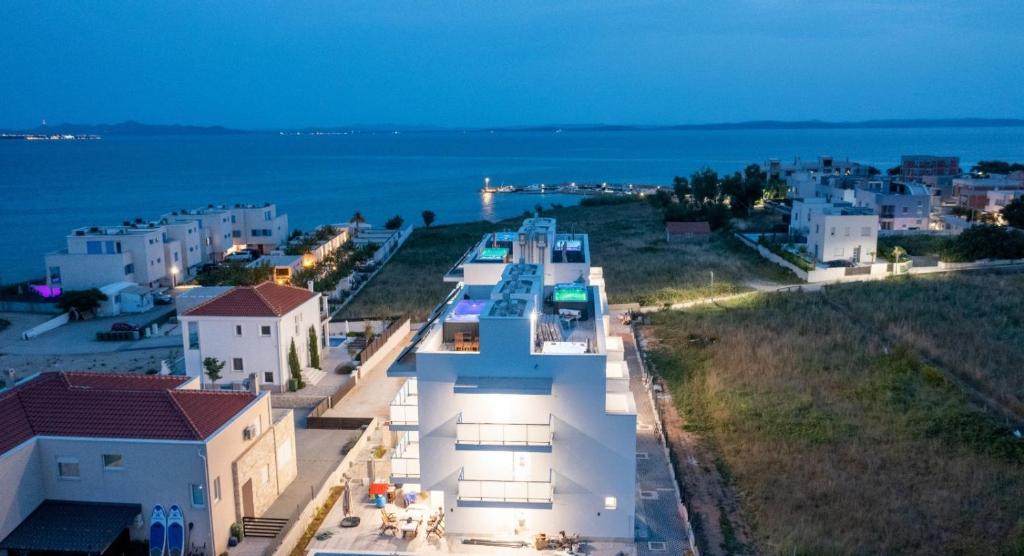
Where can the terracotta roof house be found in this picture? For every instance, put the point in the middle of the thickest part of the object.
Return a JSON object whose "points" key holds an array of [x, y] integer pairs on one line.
{"points": [[101, 450], [251, 329], [687, 231]]}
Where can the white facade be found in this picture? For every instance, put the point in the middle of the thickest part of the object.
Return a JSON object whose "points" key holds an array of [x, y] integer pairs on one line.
{"points": [[842, 233], [258, 227], [251, 344], [518, 419], [206, 477], [898, 206], [97, 256]]}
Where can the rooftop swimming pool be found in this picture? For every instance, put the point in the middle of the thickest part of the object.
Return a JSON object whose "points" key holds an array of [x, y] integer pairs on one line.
{"points": [[570, 293], [492, 254]]}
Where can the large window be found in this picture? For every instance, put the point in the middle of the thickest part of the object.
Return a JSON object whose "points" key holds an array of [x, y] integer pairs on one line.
{"points": [[193, 335], [67, 468], [113, 462], [237, 365], [198, 495]]}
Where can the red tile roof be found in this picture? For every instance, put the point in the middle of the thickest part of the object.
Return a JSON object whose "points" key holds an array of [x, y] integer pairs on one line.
{"points": [[113, 406], [264, 300], [674, 228]]}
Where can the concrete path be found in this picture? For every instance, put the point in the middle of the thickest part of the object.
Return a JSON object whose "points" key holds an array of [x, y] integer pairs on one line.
{"points": [[660, 528], [318, 453], [373, 393]]}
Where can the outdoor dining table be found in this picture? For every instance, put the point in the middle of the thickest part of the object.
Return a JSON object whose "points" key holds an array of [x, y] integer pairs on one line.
{"points": [[410, 519]]}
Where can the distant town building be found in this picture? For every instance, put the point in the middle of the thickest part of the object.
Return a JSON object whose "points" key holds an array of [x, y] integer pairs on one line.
{"points": [[85, 457], [917, 166], [165, 252], [97, 256], [899, 205], [987, 193]]}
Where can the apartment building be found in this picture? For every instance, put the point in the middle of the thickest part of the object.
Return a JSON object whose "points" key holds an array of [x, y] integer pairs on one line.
{"points": [[915, 167], [214, 227], [84, 458], [841, 232], [225, 229], [251, 329], [516, 416], [97, 256], [899, 205], [974, 192], [258, 227]]}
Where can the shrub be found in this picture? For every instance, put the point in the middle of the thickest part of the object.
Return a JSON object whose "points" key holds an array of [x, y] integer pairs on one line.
{"points": [[603, 199], [776, 247], [984, 242], [345, 369]]}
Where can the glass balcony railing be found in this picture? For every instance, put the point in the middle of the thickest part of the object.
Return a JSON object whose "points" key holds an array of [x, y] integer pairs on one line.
{"points": [[508, 492], [404, 408], [405, 460], [503, 434]]}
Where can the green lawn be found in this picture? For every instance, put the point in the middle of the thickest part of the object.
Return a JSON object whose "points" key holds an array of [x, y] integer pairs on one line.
{"points": [[838, 446], [628, 240]]}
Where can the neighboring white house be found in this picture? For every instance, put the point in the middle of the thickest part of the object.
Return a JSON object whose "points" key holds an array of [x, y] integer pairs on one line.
{"points": [[164, 252], [97, 256], [839, 232], [84, 458], [251, 330], [900, 206], [517, 417]]}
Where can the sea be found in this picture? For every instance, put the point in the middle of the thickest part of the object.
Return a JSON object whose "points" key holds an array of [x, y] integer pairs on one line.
{"points": [[47, 188]]}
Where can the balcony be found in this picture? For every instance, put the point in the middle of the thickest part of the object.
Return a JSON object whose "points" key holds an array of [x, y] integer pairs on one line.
{"points": [[404, 409], [524, 437], [405, 460], [514, 494]]}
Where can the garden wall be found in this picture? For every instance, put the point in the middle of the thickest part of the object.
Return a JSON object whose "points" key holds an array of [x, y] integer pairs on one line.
{"points": [[47, 326]]}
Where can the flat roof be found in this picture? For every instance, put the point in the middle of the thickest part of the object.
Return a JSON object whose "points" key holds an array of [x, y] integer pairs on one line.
{"points": [[76, 527]]}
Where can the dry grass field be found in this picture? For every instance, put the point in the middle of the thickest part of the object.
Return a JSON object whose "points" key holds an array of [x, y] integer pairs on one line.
{"points": [[840, 443], [628, 240]]}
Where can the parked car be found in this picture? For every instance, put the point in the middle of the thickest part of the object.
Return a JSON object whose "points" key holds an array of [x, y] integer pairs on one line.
{"points": [[123, 327], [163, 298]]}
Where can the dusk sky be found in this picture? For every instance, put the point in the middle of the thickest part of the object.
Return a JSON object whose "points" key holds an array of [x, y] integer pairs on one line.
{"points": [[290, 64]]}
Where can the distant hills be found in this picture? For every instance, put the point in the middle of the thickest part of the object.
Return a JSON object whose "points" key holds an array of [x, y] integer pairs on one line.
{"points": [[132, 128], [129, 128]]}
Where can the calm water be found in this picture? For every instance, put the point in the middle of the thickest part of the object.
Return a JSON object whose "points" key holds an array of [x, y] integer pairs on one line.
{"points": [[47, 188]]}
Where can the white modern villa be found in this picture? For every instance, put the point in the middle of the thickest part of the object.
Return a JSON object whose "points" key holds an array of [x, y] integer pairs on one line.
{"points": [[516, 417]]}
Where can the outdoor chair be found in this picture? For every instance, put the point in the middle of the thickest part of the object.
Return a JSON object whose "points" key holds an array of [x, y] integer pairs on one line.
{"points": [[436, 525], [388, 522]]}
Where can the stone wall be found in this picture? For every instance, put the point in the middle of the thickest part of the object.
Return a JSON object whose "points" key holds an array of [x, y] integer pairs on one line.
{"points": [[260, 465]]}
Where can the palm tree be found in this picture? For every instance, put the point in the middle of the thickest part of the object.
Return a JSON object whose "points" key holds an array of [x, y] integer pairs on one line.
{"points": [[897, 252], [358, 220]]}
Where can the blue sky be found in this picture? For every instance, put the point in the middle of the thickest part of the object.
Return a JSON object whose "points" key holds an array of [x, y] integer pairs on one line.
{"points": [[480, 63]]}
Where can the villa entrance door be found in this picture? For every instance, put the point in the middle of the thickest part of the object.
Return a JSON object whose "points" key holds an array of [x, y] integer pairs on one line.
{"points": [[248, 507]]}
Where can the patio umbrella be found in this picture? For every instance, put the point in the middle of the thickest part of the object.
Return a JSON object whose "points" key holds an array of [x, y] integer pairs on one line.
{"points": [[346, 500]]}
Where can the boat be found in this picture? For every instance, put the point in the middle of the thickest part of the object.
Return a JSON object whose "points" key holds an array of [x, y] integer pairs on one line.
{"points": [[175, 532], [157, 531]]}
